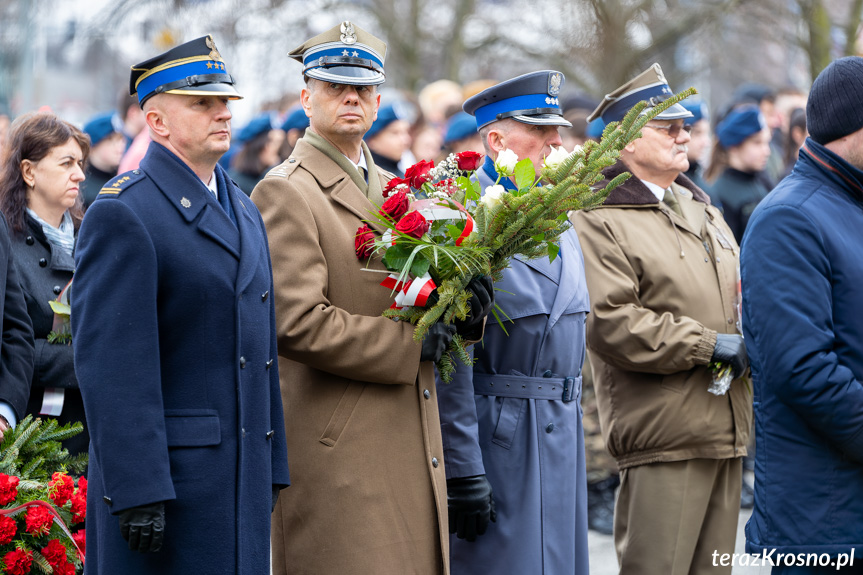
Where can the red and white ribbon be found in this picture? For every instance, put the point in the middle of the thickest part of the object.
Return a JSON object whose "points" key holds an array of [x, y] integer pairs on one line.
{"points": [[414, 292]]}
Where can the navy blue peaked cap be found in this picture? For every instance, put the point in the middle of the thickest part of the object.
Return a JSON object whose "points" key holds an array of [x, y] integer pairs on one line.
{"points": [[529, 99]]}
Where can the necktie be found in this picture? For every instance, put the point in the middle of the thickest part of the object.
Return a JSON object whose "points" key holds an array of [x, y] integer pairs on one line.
{"points": [[363, 173], [671, 201]]}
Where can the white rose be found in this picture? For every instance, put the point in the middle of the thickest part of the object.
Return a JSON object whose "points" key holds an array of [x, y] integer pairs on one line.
{"points": [[505, 162], [553, 160], [493, 196]]}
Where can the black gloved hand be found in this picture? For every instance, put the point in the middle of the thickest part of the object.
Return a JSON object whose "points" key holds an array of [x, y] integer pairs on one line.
{"points": [[471, 506], [481, 303], [436, 341], [731, 350], [144, 527]]}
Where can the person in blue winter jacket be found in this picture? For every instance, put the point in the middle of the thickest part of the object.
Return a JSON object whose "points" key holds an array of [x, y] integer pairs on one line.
{"points": [[802, 272]]}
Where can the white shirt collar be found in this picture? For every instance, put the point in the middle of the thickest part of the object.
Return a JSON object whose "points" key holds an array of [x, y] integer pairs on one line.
{"points": [[213, 186], [361, 164], [658, 191]]}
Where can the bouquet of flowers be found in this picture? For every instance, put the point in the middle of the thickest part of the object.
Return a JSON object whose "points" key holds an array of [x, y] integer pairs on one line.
{"points": [[440, 230], [37, 503]]}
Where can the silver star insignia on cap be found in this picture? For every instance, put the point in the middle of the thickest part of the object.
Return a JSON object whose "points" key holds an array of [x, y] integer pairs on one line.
{"points": [[184, 201]]}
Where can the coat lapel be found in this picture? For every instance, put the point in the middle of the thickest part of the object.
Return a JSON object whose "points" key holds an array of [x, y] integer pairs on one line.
{"points": [[188, 194], [571, 279], [250, 233], [330, 176]]}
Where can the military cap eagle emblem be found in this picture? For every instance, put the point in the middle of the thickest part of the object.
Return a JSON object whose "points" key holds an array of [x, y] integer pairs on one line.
{"points": [[554, 82], [349, 36], [214, 52]]}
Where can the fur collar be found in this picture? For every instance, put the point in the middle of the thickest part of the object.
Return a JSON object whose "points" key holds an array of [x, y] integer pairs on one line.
{"points": [[634, 192]]}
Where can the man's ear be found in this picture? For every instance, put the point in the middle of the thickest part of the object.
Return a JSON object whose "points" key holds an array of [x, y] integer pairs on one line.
{"points": [[155, 118], [305, 100], [496, 141]]}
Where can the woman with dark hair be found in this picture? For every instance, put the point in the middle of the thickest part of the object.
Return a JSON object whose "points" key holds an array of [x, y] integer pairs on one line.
{"points": [[40, 178], [739, 158]]}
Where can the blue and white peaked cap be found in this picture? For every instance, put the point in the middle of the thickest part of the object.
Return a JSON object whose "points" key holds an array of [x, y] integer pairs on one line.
{"points": [[345, 54], [195, 68], [649, 86], [529, 99]]}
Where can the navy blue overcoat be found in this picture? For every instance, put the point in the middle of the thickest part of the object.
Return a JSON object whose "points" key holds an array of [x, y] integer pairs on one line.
{"points": [[802, 272], [175, 351]]}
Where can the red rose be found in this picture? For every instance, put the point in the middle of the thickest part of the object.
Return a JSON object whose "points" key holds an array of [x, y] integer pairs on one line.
{"points": [[80, 538], [54, 552], [396, 206], [413, 224], [469, 160], [8, 529], [79, 507], [38, 520], [364, 242], [18, 562], [395, 183], [60, 488], [8, 488], [418, 174]]}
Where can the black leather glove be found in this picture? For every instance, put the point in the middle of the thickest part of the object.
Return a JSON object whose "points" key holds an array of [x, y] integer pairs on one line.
{"points": [[731, 350], [436, 341], [275, 498], [481, 303], [144, 527], [471, 506]]}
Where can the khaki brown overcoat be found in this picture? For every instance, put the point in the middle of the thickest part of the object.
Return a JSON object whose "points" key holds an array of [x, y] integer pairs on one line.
{"points": [[368, 492], [662, 285]]}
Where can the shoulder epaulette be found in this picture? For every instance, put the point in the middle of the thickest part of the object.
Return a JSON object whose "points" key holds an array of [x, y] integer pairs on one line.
{"points": [[284, 169], [120, 183]]}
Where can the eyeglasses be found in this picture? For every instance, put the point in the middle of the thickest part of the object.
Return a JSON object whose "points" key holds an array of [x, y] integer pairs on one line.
{"points": [[673, 130]]}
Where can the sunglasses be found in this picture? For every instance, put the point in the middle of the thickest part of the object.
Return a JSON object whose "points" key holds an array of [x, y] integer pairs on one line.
{"points": [[673, 130]]}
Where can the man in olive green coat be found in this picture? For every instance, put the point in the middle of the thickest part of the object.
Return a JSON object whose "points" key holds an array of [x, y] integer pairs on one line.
{"points": [[661, 267], [369, 490]]}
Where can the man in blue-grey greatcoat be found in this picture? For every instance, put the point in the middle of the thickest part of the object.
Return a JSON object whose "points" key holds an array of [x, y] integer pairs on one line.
{"points": [[513, 440], [175, 346]]}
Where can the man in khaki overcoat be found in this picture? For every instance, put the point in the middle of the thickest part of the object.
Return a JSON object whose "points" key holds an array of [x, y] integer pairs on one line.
{"points": [[369, 489], [661, 267]]}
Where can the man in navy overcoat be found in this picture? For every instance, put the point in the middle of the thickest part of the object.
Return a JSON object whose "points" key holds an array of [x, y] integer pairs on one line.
{"points": [[175, 344]]}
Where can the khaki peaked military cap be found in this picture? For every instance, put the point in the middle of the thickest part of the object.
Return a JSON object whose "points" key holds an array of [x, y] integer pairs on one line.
{"points": [[650, 86], [345, 54]]}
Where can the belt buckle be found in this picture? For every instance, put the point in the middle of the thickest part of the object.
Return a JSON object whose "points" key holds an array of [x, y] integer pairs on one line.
{"points": [[568, 387]]}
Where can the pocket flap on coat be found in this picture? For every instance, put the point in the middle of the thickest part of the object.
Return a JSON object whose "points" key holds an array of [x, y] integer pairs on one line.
{"points": [[192, 427]]}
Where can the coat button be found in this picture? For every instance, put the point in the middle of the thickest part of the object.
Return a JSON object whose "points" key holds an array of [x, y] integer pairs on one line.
{"points": [[244, 431], [242, 362], [271, 433], [434, 462], [269, 364], [426, 394], [43, 262], [265, 295], [549, 428], [57, 290], [291, 160], [30, 241], [730, 321], [107, 500]]}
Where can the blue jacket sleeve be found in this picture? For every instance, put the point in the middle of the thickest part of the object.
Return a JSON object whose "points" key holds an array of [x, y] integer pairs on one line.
{"points": [[788, 322], [116, 334], [459, 427], [17, 351]]}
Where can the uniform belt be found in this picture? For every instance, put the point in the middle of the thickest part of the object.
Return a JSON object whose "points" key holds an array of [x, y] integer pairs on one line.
{"points": [[527, 387]]}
